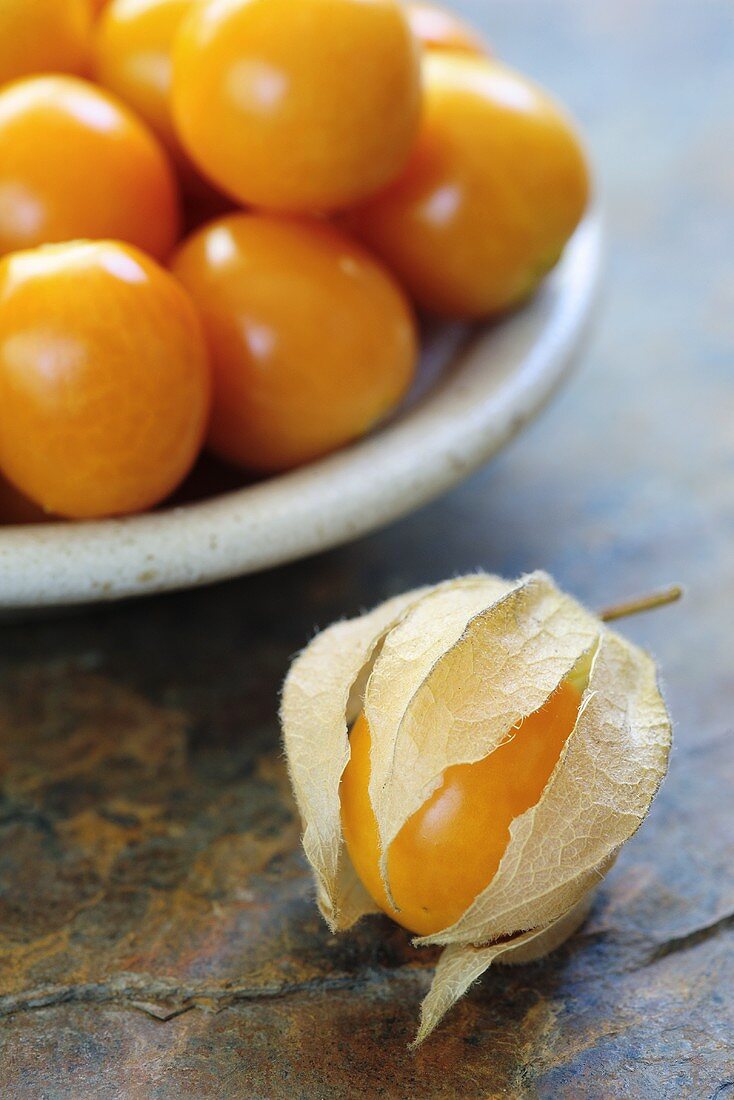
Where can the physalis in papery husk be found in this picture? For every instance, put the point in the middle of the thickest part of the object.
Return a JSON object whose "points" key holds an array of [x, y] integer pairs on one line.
{"points": [[469, 759]]}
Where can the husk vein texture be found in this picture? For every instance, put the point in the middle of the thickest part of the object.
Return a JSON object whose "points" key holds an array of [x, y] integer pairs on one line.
{"points": [[444, 676]]}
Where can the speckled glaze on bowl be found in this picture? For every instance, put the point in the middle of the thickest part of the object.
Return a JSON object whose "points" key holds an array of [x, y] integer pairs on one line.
{"points": [[478, 387]]}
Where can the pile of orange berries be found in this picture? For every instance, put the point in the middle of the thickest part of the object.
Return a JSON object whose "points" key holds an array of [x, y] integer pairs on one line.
{"points": [[218, 216]]}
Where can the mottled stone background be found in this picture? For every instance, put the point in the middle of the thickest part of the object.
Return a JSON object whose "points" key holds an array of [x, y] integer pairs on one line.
{"points": [[157, 928]]}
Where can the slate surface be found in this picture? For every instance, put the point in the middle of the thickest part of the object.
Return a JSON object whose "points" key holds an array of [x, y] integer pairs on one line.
{"points": [[157, 932]]}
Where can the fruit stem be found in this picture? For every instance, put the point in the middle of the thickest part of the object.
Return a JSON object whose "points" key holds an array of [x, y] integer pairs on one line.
{"points": [[643, 603]]}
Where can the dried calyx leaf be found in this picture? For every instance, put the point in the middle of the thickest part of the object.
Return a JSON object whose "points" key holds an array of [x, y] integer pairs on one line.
{"points": [[509, 657], [444, 677], [460, 965], [314, 710]]}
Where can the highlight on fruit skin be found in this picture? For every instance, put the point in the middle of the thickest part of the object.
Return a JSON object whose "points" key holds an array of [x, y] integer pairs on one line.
{"points": [[313, 343], [496, 184], [448, 851], [75, 163], [439, 28], [104, 379], [132, 58], [297, 107], [469, 758]]}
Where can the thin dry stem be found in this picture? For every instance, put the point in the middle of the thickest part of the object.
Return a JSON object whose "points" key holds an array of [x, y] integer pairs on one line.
{"points": [[643, 603]]}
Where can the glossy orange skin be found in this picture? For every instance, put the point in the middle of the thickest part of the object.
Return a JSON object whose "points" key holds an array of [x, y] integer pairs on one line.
{"points": [[297, 105], [74, 162], [496, 185], [133, 47], [44, 36], [312, 341], [132, 57], [98, 6], [449, 851], [437, 28], [104, 379]]}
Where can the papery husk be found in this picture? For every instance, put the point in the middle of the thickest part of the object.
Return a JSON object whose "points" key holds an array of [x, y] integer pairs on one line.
{"points": [[461, 965], [322, 695], [314, 716], [444, 676], [510, 656], [598, 795]]}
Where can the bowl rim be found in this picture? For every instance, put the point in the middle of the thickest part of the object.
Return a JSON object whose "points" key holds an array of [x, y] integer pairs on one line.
{"points": [[500, 377]]}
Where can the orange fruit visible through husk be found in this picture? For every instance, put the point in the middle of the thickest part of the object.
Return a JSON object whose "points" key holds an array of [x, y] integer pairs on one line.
{"points": [[448, 851]]}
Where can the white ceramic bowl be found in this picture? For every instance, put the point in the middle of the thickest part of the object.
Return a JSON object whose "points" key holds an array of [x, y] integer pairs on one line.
{"points": [[478, 387]]}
